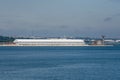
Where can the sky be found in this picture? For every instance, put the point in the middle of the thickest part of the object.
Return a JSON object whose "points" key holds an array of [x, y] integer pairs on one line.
{"points": [[59, 18]]}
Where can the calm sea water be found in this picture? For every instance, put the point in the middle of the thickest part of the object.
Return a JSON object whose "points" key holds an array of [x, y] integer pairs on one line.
{"points": [[60, 63]]}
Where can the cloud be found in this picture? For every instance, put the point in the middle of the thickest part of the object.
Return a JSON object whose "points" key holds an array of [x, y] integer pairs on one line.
{"points": [[64, 27], [108, 19], [111, 17], [117, 14], [115, 0]]}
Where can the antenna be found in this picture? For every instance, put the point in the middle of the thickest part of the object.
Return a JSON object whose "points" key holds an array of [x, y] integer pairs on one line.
{"points": [[103, 37]]}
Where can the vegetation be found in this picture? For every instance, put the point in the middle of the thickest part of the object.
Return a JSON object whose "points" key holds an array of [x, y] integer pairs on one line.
{"points": [[6, 39]]}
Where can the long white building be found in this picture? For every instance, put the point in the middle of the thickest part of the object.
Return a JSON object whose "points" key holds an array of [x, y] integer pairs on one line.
{"points": [[49, 42]]}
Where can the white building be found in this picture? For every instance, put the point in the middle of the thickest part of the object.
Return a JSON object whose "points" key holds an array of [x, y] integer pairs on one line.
{"points": [[118, 41], [49, 42]]}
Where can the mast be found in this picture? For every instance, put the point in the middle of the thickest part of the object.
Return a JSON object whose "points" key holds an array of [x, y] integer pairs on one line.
{"points": [[103, 38]]}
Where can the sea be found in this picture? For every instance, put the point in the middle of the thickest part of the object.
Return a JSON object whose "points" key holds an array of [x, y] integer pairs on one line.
{"points": [[60, 63]]}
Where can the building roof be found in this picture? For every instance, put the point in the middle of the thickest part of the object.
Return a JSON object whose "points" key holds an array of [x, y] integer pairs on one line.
{"points": [[48, 40]]}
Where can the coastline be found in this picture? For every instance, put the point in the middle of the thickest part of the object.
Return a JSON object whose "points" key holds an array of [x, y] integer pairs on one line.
{"points": [[55, 45]]}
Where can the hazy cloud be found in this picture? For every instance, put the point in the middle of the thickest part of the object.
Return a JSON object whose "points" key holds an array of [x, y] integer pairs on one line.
{"points": [[115, 0], [111, 17], [59, 17], [107, 19], [63, 27]]}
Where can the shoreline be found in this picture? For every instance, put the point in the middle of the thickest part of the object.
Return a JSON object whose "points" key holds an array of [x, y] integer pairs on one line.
{"points": [[56, 45]]}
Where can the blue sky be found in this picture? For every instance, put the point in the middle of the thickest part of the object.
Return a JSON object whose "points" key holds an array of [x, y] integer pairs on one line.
{"points": [[88, 18]]}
